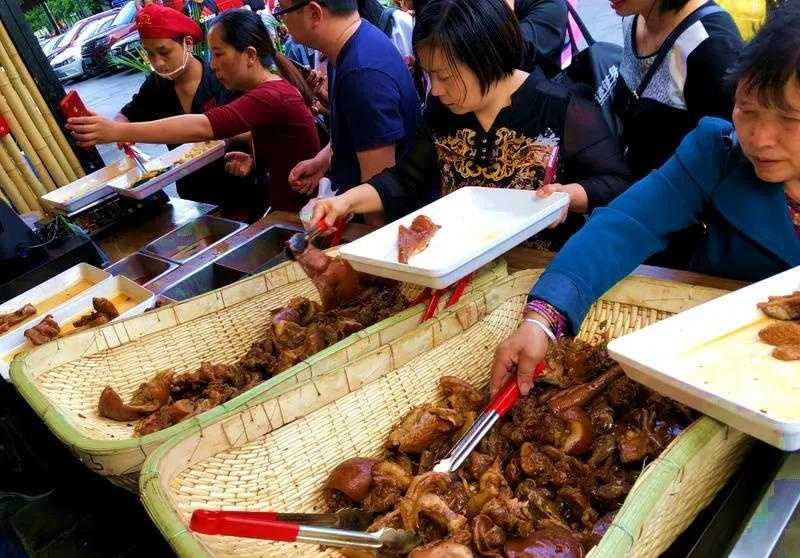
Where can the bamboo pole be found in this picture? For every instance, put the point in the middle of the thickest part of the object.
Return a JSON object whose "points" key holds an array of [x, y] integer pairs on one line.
{"points": [[33, 111], [12, 170], [44, 109], [24, 142], [23, 166], [28, 127], [13, 192]]}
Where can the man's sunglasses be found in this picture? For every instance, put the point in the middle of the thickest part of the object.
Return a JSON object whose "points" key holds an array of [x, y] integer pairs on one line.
{"points": [[278, 11]]}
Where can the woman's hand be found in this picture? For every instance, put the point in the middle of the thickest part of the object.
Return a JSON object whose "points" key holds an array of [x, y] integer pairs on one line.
{"points": [[519, 355], [238, 164], [318, 82], [91, 130], [578, 200], [305, 176], [330, 210]]}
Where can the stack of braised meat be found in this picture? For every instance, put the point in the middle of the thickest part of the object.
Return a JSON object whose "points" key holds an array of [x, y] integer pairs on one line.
{"points": [[7, 321], [546, 481], [350, 302], [785, 334], [103, 311]]}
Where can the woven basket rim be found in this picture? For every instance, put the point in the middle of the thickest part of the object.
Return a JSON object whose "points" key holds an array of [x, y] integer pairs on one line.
{"points": [[158, 502], [63, 429]]}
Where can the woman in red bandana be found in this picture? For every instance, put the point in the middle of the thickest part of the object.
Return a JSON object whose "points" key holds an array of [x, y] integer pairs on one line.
{"points": [[270, 106]]}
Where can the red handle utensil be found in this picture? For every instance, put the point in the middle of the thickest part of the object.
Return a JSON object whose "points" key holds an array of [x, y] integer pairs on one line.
{"points": [[497, 408]]}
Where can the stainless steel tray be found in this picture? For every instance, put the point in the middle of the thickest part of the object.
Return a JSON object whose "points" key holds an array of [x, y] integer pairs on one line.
{"points": [[261, 252], [186, 242], [123, 185], [84, 191], [207, 278], [141, 268]]}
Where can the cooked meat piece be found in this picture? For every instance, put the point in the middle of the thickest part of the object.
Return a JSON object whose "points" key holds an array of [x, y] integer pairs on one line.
{"points": [[446, 549], [165, 417], [787, 352], [337, 282], [389, 483], [599, 529], [545, 543], [155, 392], [477, 464], [434, 484], [578, 439], [422, 426], [633, 444], [111, 406], [487, 537], [353, 478], [45, 331], [106, 307], [7, 321], [581, 394], [781, 333], [623, 393], [104, 312], [412, 241], [460, 395], [259, 357], [782, 307]]}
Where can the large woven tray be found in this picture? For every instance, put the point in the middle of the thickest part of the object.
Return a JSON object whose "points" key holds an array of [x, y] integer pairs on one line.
{"points": [[63, 380], [275, 452]]}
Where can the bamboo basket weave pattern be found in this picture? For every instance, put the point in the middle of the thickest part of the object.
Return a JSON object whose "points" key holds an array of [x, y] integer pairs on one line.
{"points": [[254, 459], [63, 380]]}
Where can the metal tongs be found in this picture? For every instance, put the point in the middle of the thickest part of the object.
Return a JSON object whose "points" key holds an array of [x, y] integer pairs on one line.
{"points": [[298, 242], [138, 158], [498, 407], [343, 529]]}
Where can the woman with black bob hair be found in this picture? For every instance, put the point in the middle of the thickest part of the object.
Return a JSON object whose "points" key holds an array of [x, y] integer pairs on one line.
{"points": [[489, 124], [742, 181], [271, 107]]}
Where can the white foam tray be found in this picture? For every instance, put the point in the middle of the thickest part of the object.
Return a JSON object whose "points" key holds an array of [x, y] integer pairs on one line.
{"points": [[15, 341], [86, 190], [710, 358], [478, 225], [51, 287], [122, 184]]}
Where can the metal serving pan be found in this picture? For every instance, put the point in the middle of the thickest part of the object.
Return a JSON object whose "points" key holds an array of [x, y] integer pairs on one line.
{"points": [[186, 242]]}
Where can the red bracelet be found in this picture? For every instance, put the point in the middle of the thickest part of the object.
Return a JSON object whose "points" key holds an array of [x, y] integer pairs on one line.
{"points": [[558, 323]]}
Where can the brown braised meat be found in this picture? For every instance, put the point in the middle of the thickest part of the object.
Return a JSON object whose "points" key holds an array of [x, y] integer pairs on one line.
{"points": [[787, 352], [150, 397], [781, 333], [295, 332], [7, 321], [412, 241], [337, 282], [545, 482], [104, 312], [782, 307], [45, 331]]}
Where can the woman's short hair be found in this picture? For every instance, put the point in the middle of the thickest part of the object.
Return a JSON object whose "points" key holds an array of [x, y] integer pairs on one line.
{"points": [[481, 34], [771, 59]]}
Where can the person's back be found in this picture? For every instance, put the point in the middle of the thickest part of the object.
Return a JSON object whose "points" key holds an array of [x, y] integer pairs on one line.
{"points": [[373, 102]]}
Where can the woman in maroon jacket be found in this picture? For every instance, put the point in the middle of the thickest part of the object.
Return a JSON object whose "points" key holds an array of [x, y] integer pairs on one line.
{"points": [[271, 109]]}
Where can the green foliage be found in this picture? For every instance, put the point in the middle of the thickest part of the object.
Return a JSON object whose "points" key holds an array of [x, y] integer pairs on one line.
{"points": [[138, 62], [66, 11]]}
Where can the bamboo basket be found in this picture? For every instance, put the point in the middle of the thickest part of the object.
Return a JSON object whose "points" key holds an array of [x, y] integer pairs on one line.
{"points": [[62, 380], [275, 452]]}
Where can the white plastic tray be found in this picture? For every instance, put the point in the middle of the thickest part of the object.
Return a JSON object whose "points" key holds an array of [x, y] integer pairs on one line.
{"points": [[86, 190], [478, 225], [15, 341], [67, 285], [710, 358], [122, 184]]}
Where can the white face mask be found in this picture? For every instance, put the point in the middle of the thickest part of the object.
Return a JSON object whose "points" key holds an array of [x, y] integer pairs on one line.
{"points": [[177, 71]]}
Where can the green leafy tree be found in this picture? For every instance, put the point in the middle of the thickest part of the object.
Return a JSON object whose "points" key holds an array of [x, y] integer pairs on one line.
{"points": [[64, 11]]}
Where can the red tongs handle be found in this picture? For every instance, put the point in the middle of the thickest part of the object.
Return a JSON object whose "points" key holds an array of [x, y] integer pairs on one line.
{"points": [[252, 525], [510, 393]]}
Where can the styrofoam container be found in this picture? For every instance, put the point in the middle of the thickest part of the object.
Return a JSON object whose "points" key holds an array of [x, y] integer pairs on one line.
{"points": [[123, 184], [711, 358], [55, 292], [477, 226], [15, 341], [86, 190]]}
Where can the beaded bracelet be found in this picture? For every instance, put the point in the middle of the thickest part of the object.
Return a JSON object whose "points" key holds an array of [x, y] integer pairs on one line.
{"points": [[558, 323]]}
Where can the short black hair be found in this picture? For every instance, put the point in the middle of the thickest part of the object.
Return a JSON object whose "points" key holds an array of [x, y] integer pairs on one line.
{"points": [[771, 59], [340, 7], [481, 34]]}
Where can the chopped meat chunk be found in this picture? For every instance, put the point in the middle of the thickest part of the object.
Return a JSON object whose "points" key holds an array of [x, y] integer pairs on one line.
{"points": [[411, 241], [45, 331], [781, 333], [782, 307], [7, 321]]}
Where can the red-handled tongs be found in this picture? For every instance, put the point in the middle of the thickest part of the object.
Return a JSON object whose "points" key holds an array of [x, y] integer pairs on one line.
{"points": [[498, 407], [434, 296], [305, 528], [298, 243], [136, 157]]}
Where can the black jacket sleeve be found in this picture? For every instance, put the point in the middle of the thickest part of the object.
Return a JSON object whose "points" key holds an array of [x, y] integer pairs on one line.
{"points": [[592, 155], [543, 24], [406, 186]]}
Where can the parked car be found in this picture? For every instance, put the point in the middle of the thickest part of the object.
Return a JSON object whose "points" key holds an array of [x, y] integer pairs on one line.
{"points": [[95, 51], [68, 63], [124, 48], [48, 45], [72, 33]]}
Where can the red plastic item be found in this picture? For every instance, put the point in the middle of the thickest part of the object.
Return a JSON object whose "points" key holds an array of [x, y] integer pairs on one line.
{"points": [[461, 286], [4, 129], [72, 105], [423, 296], [509, 395], [252, 525], [433, 304], [551, 168]]}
